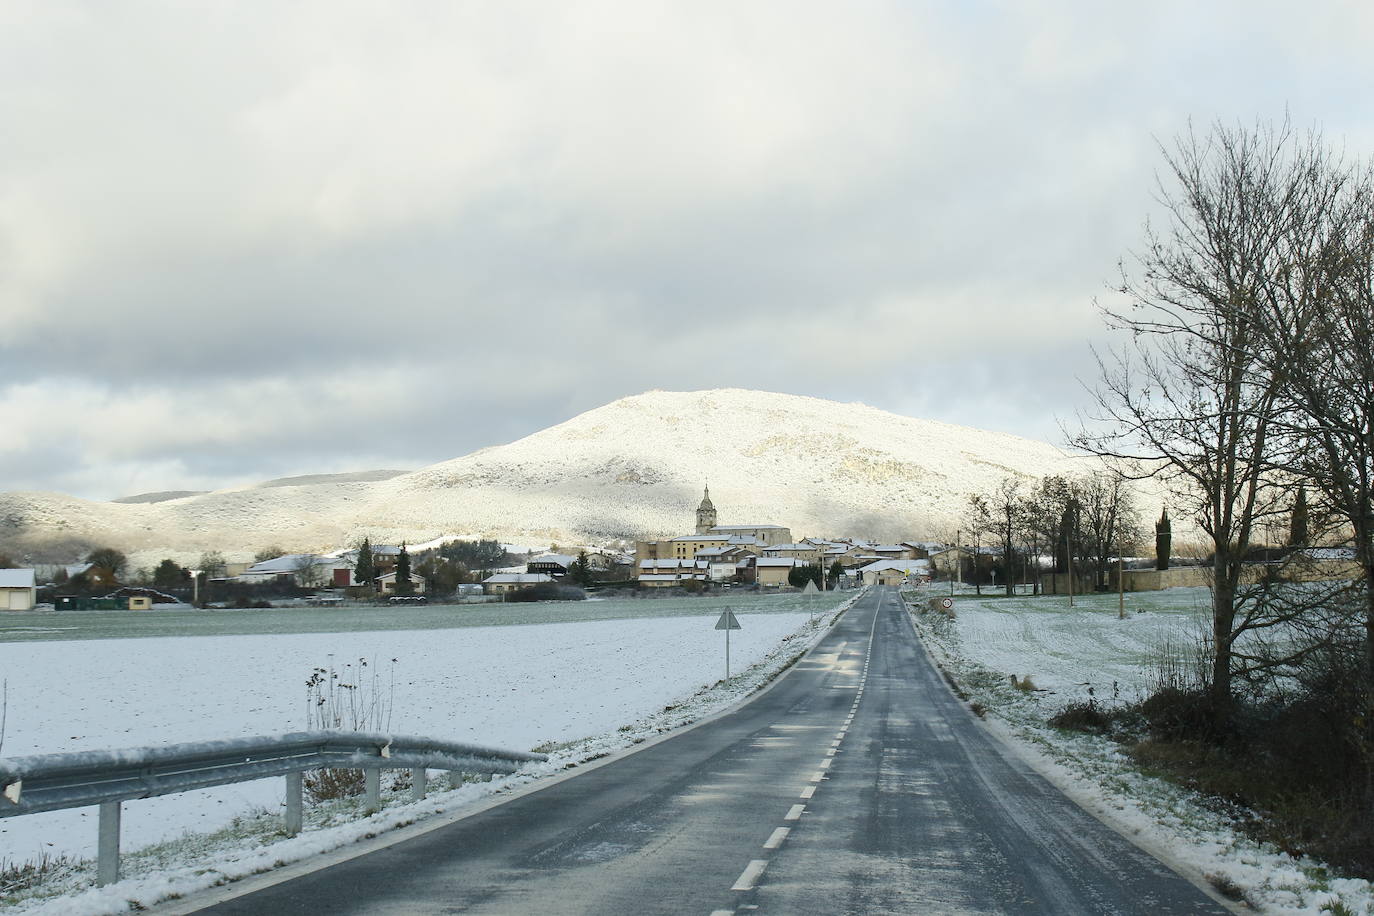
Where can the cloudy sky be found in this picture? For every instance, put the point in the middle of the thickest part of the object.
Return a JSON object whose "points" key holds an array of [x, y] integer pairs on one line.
{"points": [[245, 240]]}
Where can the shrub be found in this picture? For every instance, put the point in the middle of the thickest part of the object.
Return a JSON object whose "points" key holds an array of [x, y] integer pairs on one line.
{"points": [[330, 784], [352, 698], [1082, 717], [549, 591], [1180, 715]]}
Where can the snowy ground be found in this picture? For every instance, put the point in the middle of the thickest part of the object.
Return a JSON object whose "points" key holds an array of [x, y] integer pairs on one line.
{"points": [[577, 689], [1066, 652]]}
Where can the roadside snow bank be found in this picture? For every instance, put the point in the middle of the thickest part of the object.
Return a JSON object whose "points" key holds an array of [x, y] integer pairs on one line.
{"points": [[1067, 652]]}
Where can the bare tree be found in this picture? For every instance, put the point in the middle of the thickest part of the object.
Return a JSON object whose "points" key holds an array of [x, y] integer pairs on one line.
{"points": [[1320, 339], [1186, 401], [1050, 514], [308, 571], [1108, 518], [1001, 515]]}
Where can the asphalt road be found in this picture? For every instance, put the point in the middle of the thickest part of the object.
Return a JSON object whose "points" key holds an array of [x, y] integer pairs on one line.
{"points": [[857, 784]]}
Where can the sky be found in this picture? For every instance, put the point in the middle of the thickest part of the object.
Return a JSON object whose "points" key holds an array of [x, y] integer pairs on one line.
{"points": [[245, 240]]}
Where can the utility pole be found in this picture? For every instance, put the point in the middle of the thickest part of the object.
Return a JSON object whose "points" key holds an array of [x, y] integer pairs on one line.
{"points": [[1068, 549], [1120, 579], [958, 564], [977, 546], [958, 554]]}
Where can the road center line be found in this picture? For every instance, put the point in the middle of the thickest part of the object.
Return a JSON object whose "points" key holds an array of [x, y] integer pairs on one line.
{"points": [[750, 876], [776, 839], [794, 813], [818, 776], [808, 792], [825, 764]]}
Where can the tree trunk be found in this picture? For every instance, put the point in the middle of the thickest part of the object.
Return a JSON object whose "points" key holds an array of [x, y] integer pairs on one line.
{"points": [[1223, 623]]}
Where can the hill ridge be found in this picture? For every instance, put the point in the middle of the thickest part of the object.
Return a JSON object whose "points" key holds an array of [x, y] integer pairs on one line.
{"points": [[631, 468]]}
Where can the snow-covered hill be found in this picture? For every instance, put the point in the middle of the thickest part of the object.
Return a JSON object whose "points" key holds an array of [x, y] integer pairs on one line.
{"points": [[633, 468]]}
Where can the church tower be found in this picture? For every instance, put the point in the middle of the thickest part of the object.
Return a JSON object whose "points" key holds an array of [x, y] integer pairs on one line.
{"points": [[706, 513]]}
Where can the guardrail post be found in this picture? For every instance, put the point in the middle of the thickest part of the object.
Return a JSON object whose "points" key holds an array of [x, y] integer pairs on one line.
{"points": [[107, 845], [419, 782], [373, 781], [294, 807]]}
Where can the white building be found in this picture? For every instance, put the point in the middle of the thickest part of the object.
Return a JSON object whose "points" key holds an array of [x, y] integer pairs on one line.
{"points": [[17, 591], [513, 581], [895, 572]]}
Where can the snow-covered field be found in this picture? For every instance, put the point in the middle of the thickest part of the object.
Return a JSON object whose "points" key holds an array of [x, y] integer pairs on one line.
{"points": [[578, 688], [1068, 651]]}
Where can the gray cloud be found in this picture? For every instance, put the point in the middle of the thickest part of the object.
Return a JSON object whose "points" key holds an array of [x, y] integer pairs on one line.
{"points": [[307, 237]]}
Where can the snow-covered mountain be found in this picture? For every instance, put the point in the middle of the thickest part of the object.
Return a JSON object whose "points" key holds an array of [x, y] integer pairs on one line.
{"points": [[633, 468]]}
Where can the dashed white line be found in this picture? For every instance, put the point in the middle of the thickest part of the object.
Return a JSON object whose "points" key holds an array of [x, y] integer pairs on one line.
{"points": [[808, 792], [750, 876], [830, 753], [794, 813], [818, 776], [825, 764], [722, 913], [776, 839]]}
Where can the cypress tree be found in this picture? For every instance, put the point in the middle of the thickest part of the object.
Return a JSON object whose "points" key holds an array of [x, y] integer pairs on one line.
{"points": [[403, 584], [365, 570], [1297, 525], [1164, 540]]}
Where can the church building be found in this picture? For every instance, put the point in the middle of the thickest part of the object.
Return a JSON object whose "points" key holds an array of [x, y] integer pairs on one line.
{"points": [[713, 537]]}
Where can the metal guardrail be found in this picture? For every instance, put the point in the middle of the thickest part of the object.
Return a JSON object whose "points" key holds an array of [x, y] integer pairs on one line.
{"points": [[48, 782]]}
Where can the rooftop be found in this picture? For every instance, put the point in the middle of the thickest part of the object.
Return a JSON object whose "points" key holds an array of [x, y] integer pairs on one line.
{"points": [[16, 578]]}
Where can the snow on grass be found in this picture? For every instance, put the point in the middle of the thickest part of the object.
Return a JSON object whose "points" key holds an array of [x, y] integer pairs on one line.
{"points": [[1065, 652], [576, 691]]}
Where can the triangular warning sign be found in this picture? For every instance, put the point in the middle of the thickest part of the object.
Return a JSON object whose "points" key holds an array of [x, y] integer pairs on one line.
{"points": [[728, 621]]}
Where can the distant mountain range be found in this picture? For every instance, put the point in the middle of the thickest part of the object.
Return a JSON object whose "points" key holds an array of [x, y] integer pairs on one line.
{"points": [[634, 468]]}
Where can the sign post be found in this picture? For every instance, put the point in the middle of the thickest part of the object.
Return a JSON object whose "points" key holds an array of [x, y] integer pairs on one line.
{"points": [[727, 622]]}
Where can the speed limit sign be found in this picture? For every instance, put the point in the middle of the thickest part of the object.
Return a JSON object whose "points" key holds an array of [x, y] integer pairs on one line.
{"points": [[946, 603]]}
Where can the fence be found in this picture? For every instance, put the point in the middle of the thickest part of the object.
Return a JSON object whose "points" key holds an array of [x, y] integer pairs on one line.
{"points": [[48, 782]]}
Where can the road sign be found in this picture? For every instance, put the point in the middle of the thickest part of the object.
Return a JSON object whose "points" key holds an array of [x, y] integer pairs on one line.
{"points": [[727, 622], [946, 603]]}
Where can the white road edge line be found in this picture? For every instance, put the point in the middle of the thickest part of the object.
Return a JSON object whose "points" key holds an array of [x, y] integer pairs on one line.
{"points": [[750, 876], [776, 839]]}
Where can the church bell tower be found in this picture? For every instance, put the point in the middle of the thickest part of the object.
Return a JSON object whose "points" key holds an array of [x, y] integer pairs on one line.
{"points": [[706, 513]]}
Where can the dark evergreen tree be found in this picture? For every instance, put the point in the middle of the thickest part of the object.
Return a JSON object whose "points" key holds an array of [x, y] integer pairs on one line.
{"points": [[1297, 525], [581, 570], [483, 554], [836, 571], [798, 576], [1164, 540], [404, 585], [365, 570], [170, 575]]}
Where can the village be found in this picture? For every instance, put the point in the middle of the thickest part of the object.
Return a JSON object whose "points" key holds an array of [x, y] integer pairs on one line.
{"points": [[760, 556]]}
